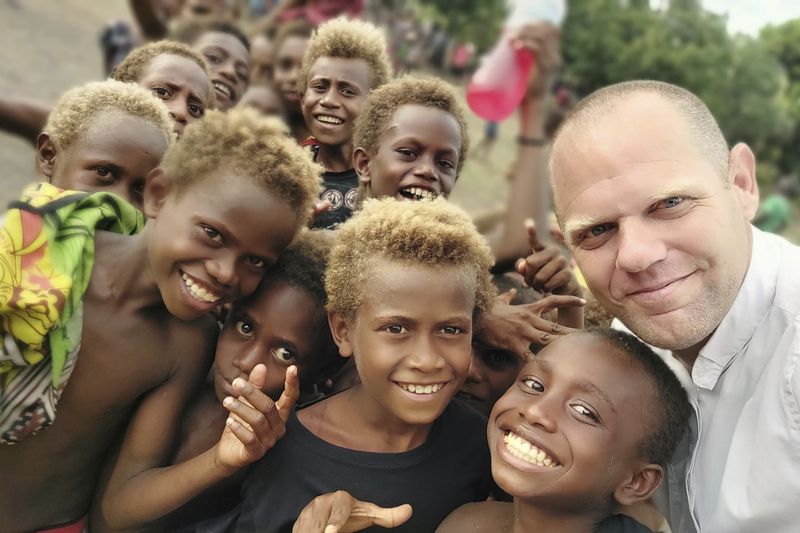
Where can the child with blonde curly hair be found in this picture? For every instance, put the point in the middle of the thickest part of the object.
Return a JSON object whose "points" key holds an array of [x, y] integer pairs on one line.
{"points": [[104, 137], [138, 336], [404, 283], [345, 60]]}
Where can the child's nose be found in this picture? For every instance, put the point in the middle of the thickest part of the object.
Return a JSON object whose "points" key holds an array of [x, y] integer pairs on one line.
{"points": [[539, 412]]}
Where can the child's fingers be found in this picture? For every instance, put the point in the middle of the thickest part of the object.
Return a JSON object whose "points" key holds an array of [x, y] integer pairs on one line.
{"points": [[291, 392], [258, 376], [259, 403], [544, 277], [554, 301], [374, 515], [533, 238], [241, 431], [507, 296]]}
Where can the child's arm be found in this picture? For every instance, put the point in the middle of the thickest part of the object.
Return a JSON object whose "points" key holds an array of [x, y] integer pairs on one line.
{"points": [[529, 191], [23, 117], [547, 270], [339, 512], [141, 491]]}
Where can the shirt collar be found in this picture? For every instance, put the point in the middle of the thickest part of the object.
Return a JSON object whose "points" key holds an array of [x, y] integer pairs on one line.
{"points": [[749, 308]]}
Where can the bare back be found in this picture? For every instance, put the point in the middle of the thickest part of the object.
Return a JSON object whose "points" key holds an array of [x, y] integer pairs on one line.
{"points": [[126, 352]]}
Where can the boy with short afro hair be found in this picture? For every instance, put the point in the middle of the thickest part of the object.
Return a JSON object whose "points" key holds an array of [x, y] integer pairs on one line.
{"points": [[135, 63], [584, 433], [143, 322], [404, 283], [344, 61], [114, 118]]}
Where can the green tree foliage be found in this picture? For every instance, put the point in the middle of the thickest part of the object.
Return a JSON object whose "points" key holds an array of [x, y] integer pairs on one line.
{"points": [[476, 21], [740, 78]]}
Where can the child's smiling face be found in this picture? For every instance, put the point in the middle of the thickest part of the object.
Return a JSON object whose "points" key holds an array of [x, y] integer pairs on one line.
{"points": [[417, 156], [281, 325], [567, 432], [228, 61], [411, 338], [288, 60], [336, 89], [211, 242]]}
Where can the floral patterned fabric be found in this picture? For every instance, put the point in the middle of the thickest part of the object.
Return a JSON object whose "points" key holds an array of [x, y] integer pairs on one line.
{"points": [[46, 259]]}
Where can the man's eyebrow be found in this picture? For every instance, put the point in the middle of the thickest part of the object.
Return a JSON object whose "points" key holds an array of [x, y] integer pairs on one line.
{"points": [[588, 386], [576, 226]]}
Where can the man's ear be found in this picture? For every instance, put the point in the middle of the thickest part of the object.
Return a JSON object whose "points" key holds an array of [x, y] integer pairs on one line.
{"points": [[639, 484], [361, 161], [156, 188], [340, 330], [742, 176], [46, 155]]}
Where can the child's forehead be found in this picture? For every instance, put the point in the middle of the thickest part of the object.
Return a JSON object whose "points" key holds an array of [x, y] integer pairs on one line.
{"points": [[578, 355], [352, 69], [114, 128]]}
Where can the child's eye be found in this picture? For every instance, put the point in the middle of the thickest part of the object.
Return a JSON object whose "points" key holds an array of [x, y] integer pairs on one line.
{"points": [[161, 92], [533, 384], [283, 354], [406, 152], [105, 174], [196, 110], [396, 329], [256, 262], [212, 234], [244, 328], [213, 58], [451, 330], [447, 164], [348, 92], [585, 412]]}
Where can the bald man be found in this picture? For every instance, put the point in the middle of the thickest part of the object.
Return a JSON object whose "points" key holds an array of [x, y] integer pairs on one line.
{"points": [[656, 210]]}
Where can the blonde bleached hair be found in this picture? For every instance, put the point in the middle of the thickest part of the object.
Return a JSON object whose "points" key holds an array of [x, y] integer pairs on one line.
{"points": [[243, 142], [383, 102], [348, 39], [133, 67], [79, 108], [428, 233]]}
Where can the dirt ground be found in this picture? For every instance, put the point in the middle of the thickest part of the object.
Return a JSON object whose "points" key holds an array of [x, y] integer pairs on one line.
{"points": [[47, 47]]}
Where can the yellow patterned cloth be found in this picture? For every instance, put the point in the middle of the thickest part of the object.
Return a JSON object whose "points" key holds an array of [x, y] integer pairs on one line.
{"points": [[46, 259]]}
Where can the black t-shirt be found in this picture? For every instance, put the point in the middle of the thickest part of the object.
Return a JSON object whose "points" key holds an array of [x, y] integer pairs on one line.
{"points": [[341, 189], [620, 523], [450, 469]]}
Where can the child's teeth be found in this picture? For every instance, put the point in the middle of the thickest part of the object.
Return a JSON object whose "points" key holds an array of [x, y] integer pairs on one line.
{"points": [[199, 292], [422, 389], [527, 451]]}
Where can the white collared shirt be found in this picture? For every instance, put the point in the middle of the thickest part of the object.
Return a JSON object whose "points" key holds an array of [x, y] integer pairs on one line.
{"points": [[744, 472]]}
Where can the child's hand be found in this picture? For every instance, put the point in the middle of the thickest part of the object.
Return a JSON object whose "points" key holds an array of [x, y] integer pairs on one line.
{"points": [[339, 512], [515, 327], [546, 269], [255, 422]]}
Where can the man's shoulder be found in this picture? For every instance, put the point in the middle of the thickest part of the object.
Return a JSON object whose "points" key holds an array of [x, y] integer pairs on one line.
{"points": [[787, 291]]}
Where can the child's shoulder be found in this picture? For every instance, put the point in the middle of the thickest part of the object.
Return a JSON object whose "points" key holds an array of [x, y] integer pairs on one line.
{"points": [[477, 517]]}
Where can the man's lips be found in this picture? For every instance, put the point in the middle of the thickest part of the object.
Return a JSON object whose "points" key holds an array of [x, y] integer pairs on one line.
{"points": [[657, 290]]}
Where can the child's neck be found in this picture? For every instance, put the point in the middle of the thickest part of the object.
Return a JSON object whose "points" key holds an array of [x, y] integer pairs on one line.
{"points": [[532, 517], [335, 157], [353, 420], [122, 271]]}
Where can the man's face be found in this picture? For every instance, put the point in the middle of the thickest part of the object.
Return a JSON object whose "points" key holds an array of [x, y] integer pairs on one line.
{"points": [[661, 236]]}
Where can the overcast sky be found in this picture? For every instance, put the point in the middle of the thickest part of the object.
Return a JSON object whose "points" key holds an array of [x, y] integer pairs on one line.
{"points": [[748, 16]]}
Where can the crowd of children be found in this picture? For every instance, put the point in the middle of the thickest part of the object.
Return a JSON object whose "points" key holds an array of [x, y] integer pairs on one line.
{"points": [[239, 299]]}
